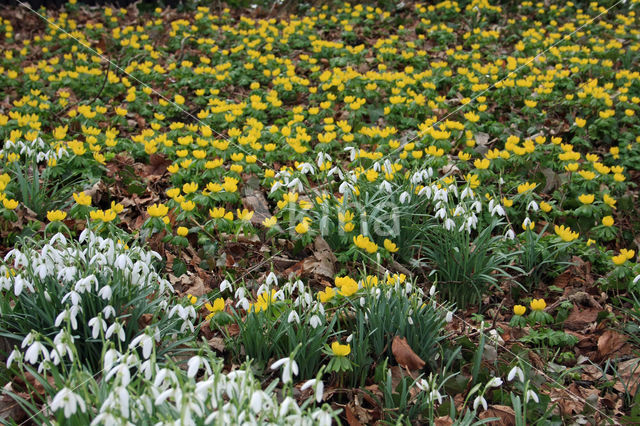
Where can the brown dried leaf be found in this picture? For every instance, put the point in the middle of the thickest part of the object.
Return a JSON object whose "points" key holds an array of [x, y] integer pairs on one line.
{"points": [[609, 343], [217, 343], [505, 413], [405, 356]]}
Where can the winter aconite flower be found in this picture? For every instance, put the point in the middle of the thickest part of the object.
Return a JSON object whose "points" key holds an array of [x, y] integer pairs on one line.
{"points": [[217, 306], [82, 199], [390, 246], [340, 350], [56, 215], [519, 310], [538, 305], [157, 210], [182, 231], [565, 233]]}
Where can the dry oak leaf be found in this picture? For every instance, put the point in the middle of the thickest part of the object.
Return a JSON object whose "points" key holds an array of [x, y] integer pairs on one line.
{"points": [[405, 356], [505, 413], [609, 343]]}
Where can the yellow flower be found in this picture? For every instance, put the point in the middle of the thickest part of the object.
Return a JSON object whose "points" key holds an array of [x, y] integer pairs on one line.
{"points": [[9, 204], [269, 222], [347, 285], [528, 225], [157, 210], [365, 243], [580, 122], [607, 221], [565, 233], [217, 212], [628, 253], [326, 295], [82, 199], [187, 206], [218, 306], [182, 231], [586, 198], [192, 299], [263, 302], [519, 310], [609, 200], [538, 305], [179, 99], [188, 188], [56, 215], [507, 202], [619, 259], [390, 246], [302, 227], [482, 164], [244, 214], [524, 187], [340, 350], [545, 207]]}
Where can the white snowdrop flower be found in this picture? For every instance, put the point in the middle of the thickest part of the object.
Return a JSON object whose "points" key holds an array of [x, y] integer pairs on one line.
{"points": [[194, 365], [287, 405], [289, 368], [510, 235], [318, 387], [495, 382], [84, 284], [121, 371], [336, 170], [386, 187], [531, 395], [441, 213], [74, 296], [306, 168], [449, 224], [410, 320], [434, 394], [467, 192], [516, 371], [349, 338], [243, 303], [449, 316], [315, 321], [423, 385], [240, 292], [352, 152], [636, 279], [297, 184], [526, 223], [68, 401], [123, 262], [498, 210], [225, 285], [108, 311], [293, 317], [106, 292], [480, 400], [532, 206], [117, 329], [34, 352], [15, 355], [145, 342], [271, 279], [477, 206], [405, 197], [426, 191], [345, 187], [97, 324], [42, 271], [59, 237]]}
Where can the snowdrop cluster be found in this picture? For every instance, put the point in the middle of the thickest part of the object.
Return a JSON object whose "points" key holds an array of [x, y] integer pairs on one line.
{"points": [[37, 150]]}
